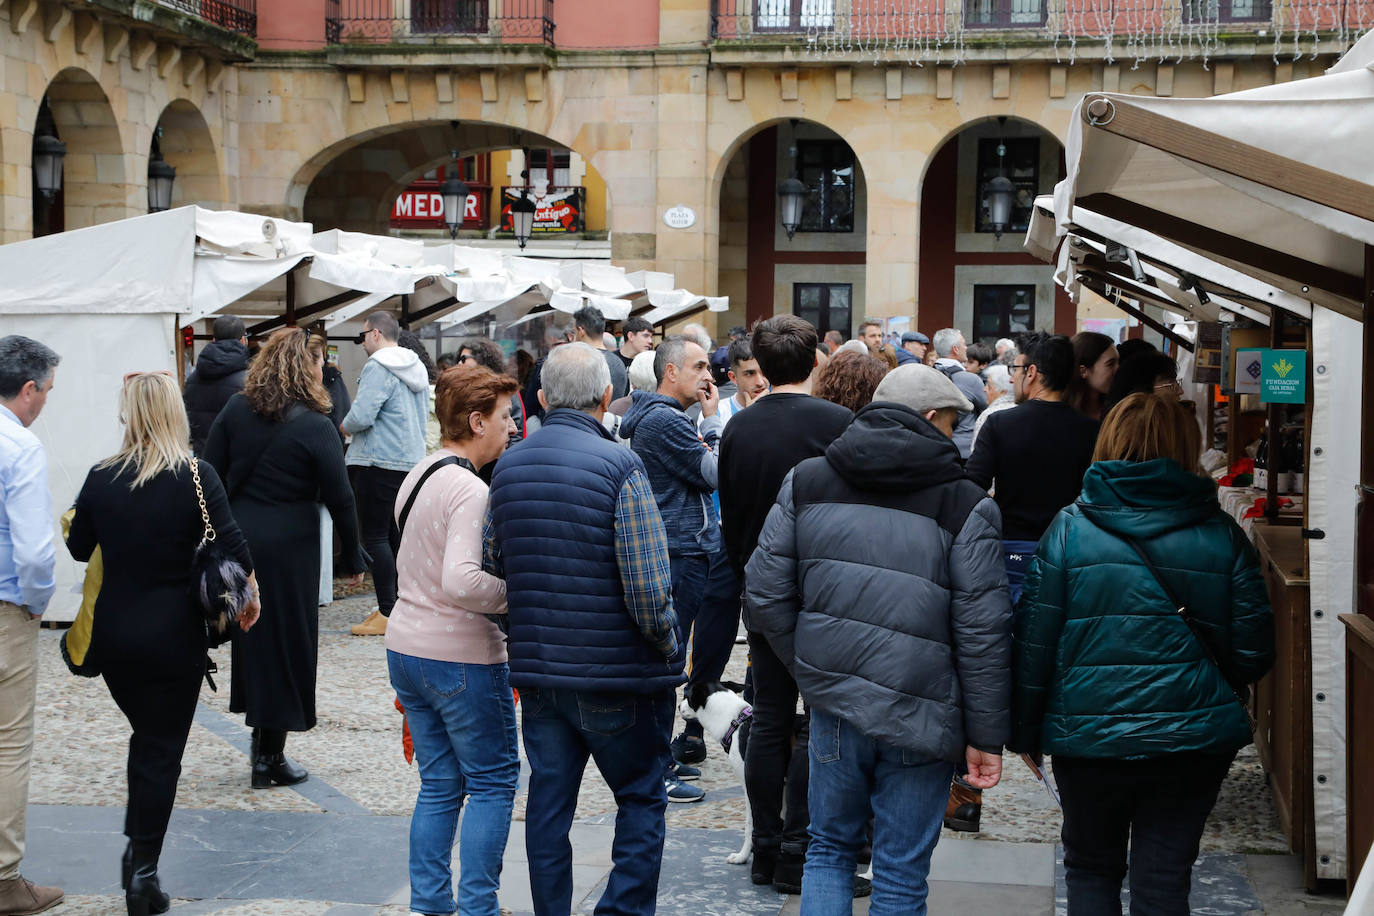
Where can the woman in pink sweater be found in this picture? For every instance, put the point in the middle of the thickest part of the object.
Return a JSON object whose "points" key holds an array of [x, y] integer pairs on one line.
{"points": [[447, 655]]}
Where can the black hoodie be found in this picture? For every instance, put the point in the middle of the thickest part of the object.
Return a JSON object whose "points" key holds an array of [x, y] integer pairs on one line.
{"points": [[221, 369]]}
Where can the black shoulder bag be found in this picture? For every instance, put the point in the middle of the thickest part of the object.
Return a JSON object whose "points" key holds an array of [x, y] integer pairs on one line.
{"points": [[1239, 689], [445, 462]]}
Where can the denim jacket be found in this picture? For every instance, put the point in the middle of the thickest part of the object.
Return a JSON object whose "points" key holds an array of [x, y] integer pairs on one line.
{"points": [[387, 419]]}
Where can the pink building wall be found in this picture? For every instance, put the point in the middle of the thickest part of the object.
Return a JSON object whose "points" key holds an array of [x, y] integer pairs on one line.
{"points": [[291, 25], [594, 24]]}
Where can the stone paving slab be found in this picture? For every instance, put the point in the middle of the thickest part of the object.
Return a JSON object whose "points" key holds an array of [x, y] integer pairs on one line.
{"points": [[337, 844]]}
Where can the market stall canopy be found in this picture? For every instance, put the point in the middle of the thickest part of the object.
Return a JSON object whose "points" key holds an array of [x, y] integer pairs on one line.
{"points": [[1115, 260], [193, 263], [1273, 182]]}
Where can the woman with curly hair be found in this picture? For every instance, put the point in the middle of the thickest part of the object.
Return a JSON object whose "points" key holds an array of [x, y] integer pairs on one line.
{"points": [[279, 456], [850, 378], [488, 353]]}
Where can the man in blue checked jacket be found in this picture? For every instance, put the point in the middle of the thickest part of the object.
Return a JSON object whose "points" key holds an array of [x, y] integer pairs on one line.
{"points": [[573, 528]]}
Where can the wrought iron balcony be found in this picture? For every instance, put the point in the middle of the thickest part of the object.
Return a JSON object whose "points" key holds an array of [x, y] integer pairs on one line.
{"points": [[952, 31], [512, 22], [239, 16]]}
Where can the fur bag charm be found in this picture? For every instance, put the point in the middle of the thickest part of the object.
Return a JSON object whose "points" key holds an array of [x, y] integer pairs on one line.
{"points": [[219, 583]]}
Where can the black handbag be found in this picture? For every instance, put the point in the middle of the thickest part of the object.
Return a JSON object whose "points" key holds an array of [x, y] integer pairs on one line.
{"points": [[219, 582]]}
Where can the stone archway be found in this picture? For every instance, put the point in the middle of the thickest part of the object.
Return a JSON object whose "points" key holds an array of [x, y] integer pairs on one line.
{"points": [[187, 145], [759, 268], [353, 189], [968, 273], [97, 185]]}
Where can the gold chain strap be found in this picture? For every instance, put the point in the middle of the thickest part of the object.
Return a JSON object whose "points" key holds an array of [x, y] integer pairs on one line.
{"points": [[209, 533]]}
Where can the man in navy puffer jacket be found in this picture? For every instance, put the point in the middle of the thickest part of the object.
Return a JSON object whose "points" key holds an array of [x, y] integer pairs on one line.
{"points": [[879, 582], [573, 529]]}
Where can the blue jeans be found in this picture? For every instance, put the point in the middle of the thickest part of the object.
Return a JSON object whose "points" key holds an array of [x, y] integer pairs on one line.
{"points": [[1018, 556], [706, 598], [627, 735], [851, 776], [462, 720]]}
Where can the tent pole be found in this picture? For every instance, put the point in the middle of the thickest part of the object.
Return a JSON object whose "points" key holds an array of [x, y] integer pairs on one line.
{"points": [[1364, 518], [291, 298], [1274, 420]]}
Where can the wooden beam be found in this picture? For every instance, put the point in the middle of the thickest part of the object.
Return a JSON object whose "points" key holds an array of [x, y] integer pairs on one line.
{"points": [[1218, 151], [296, 314], [1203, 238], [436, 308]]}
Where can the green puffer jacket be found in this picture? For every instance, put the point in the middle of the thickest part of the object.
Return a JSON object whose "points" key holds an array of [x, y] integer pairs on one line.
{"points": [[1102, 665]]}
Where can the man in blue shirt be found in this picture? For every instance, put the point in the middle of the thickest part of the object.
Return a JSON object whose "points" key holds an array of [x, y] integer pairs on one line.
{"points": [[26, 587]]}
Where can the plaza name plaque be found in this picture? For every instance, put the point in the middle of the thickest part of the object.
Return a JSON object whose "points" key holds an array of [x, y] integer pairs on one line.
{"points": [[680, 218]]}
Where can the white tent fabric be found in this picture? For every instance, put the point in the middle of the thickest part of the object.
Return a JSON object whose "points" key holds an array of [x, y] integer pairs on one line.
{"points": [[111, 298], [1184, 179], [1322, 122]]}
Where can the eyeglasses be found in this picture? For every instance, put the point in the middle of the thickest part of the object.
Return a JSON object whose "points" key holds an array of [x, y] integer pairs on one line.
{"points": [[1014, 368], [1171, 385], [464, 357]]}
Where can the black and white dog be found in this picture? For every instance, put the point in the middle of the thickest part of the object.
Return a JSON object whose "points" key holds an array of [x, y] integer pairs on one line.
{"points": [[725, 716]]}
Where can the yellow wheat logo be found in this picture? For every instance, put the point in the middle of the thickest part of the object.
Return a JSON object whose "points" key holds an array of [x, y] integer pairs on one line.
{"points": [[1283, 367]]}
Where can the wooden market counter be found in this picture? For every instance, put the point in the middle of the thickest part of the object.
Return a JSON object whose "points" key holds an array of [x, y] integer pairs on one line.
{"points": [[1283, 698], [1359, 744]]}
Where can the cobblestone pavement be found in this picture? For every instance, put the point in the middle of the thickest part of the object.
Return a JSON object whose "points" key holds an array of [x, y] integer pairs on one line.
{"points": [[337, 844]]}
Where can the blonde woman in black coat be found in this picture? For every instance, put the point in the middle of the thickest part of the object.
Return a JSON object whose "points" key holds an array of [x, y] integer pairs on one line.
{"points": [[141, 509]]}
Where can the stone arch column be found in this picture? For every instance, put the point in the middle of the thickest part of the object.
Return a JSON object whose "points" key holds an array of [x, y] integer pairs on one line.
{"points": [[187, 145], [98, 182]]}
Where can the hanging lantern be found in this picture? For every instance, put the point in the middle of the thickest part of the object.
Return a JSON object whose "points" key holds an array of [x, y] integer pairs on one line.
{"points": [[455, 194], [48, 153], [161, 175], [522, 218], [999, 193], [791, 199]]}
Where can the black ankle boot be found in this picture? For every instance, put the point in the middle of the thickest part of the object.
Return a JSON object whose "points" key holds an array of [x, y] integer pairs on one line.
{"points": [[765, 860], [277, 769], [271, 766], [126, 865], [144, 894]]}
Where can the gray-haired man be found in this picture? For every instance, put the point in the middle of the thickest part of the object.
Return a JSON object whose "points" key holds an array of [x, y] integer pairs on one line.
{"points": [[573, 528], [951, 351], [27, 557]]}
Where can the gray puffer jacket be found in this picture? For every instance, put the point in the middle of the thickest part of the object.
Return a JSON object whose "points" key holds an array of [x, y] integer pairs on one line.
{"points": [[879, 581]]}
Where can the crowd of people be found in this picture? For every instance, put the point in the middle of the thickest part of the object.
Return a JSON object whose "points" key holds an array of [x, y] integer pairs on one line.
{"points": [[940, 552]]}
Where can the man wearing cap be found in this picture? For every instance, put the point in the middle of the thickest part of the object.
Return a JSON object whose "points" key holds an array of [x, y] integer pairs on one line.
{"points": [[913, 348], [909, 675]]}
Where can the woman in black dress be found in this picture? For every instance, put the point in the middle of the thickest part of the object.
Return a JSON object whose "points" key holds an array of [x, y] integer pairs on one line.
{"points": [[280, 456], [140, 508]]}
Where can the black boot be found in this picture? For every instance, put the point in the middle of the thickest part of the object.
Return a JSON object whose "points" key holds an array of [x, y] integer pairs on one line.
{"points": [[144, 894], [765, 861], [126, 865], [271, 766], [787, 874]]}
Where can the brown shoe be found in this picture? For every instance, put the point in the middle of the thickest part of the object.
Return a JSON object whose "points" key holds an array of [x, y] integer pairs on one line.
{"points": [[374, 625], [21, 897], [964, 808]]}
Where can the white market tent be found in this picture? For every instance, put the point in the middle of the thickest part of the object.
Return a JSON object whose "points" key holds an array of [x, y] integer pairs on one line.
{"points": [[112, 299], [1268, 195]]}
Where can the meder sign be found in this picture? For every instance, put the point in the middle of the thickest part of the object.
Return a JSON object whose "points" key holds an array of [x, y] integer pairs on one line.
{"points": [[429, 205]]}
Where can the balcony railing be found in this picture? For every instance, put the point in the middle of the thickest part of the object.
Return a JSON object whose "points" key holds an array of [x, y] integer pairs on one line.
{"points": [[239, 16], [439, 21], [958, 30]]}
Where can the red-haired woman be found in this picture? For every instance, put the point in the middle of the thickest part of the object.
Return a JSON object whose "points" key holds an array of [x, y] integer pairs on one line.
{"points": [[447, 656]]}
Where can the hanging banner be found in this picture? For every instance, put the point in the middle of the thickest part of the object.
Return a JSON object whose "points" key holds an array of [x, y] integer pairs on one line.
{"points": [[1283, 377], [556, 210]]}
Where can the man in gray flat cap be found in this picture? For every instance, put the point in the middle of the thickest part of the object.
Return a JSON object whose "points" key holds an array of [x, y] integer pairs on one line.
{"points": [[910, 674]]}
